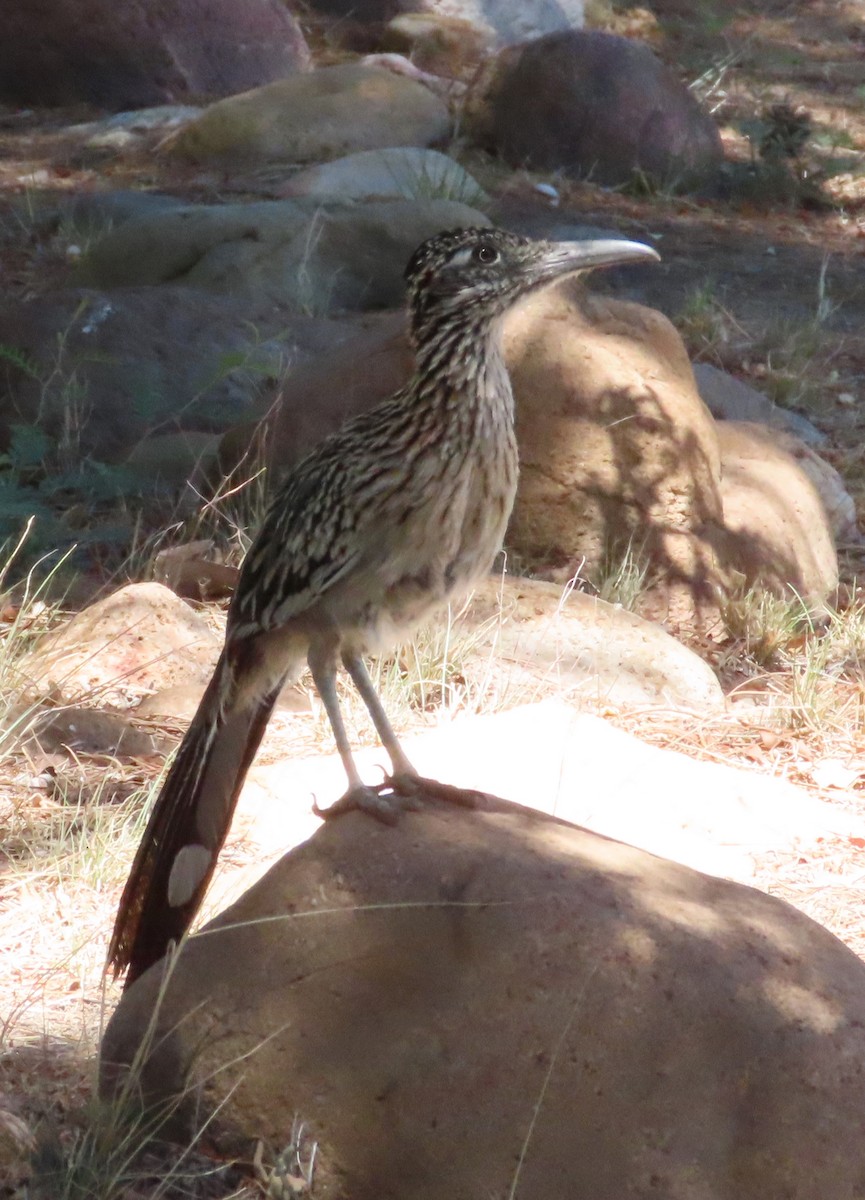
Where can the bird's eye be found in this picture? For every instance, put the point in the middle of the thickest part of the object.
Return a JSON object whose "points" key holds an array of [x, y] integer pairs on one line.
{"points": [[486, 254]]}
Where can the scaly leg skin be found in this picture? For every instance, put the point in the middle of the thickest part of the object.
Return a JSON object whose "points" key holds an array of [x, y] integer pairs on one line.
{"points": [[404, 782], [411, 785], [359, 796]]}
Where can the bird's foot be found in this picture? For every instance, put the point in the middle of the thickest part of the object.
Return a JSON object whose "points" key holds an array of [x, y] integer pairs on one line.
{"points": [[396, 795], [382, 802], [416, 787]]}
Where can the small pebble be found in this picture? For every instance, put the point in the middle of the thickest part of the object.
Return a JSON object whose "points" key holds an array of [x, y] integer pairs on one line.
{"points": [[547, 189]]}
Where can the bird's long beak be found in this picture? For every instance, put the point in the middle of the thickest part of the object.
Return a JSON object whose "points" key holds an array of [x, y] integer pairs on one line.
{"points": [[583, 256]]}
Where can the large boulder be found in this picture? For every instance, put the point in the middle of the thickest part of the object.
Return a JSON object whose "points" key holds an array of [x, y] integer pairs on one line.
{"points": [[618, 453], [593, 105], [493, 1002], [321, 115], [616, 447], [143, 52]]}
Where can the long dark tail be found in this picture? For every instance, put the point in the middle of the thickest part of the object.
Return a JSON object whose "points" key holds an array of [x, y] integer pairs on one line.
{"points": [[188, 825]]}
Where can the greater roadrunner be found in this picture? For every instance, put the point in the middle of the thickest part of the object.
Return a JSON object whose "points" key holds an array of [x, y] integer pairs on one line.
{"points": [[383, 522]]}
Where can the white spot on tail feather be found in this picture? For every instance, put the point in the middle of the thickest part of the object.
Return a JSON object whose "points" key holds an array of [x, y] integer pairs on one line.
{"points": [[187, 871]]}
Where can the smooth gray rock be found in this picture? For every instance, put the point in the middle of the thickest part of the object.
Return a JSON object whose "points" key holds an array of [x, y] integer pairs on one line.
{"points": [[729, 399], [398, 172], [91, 215]]}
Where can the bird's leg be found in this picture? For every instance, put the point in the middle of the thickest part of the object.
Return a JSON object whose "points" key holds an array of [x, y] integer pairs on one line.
{"points": [[356, 668], [322, 664], [404, 780]]}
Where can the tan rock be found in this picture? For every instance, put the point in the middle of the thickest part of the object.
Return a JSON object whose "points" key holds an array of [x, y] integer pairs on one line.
{"points": [[446, 45], [616, 445], [474, 1003], [837, 501], [310, 117], [776, 531], [526, 638], [89, 731], [137, 640]]}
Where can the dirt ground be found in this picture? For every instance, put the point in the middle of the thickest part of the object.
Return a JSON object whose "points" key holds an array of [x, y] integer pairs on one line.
{"points": [[771, 282]]}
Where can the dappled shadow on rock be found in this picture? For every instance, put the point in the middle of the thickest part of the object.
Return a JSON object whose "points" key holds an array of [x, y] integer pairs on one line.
{"points": [[619, 455], [473, 997]]}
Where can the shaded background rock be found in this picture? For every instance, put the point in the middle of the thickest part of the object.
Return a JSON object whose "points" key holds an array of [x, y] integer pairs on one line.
{"points": [[141, 52], [313, 117], [593, 105], [729, 399], [88, 731], [511, 20], [297, 253], [508, 962], [144, 361]]}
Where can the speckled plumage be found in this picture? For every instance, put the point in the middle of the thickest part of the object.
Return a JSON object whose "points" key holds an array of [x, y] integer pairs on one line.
{"points": [[384, 521]]}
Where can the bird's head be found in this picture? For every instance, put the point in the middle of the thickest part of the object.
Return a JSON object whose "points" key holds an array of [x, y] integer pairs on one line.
{"points": [[484, 272]]}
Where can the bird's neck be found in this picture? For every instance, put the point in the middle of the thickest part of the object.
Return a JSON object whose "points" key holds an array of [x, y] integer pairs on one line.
{"points": [[464, 356], [462, 384]]}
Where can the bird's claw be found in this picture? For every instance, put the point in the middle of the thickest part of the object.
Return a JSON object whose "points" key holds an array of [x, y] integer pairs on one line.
{"points": [[361, 799]]}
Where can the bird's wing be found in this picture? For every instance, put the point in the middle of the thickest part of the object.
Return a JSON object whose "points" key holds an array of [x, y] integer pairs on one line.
{"points": [[307, 542], [315, 530]]}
